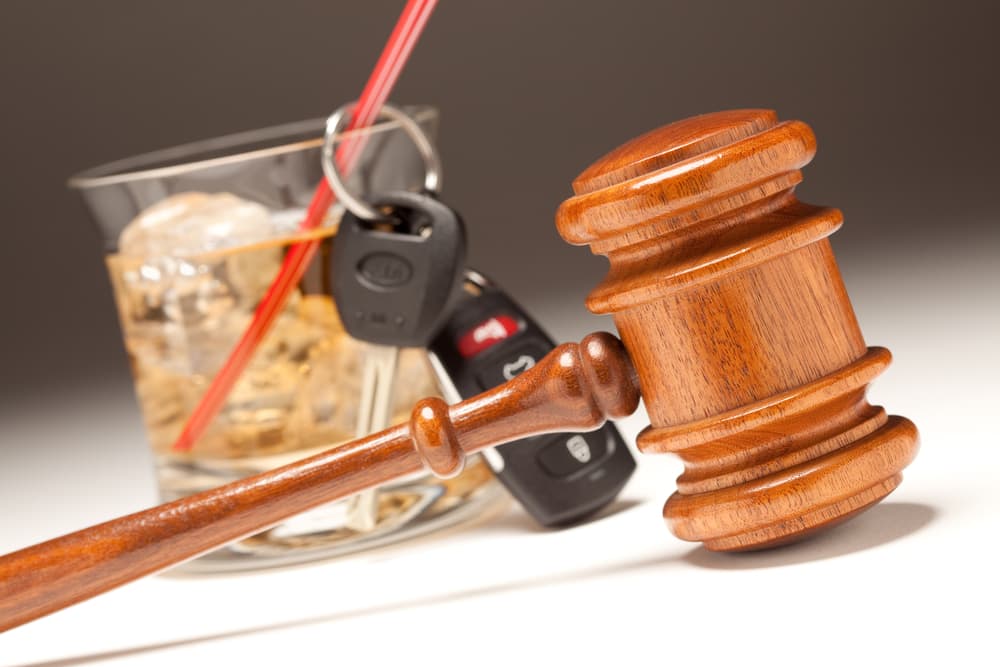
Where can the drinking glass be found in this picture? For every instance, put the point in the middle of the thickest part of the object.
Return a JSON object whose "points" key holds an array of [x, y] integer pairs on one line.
{"points": [[181, 311]]}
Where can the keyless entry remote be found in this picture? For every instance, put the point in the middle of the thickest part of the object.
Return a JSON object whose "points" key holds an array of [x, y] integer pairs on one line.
{"points": [[558, 478]]}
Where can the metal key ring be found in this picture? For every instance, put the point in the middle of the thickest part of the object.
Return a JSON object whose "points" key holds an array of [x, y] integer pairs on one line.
{"points": [[356, 205]]}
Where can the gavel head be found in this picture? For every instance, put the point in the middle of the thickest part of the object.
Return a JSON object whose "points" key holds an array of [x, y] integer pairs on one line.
{"points": [[727, 296]]}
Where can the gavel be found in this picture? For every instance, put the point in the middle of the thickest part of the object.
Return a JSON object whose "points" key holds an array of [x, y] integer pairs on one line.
{"points": [[736, 330]]}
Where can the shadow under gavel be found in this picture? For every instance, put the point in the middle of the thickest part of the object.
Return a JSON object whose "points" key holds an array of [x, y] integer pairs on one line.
{"points": [[735, 328]]}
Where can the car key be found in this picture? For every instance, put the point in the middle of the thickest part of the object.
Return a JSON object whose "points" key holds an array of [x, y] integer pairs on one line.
{"points": [[558, 478], [394, 280]]}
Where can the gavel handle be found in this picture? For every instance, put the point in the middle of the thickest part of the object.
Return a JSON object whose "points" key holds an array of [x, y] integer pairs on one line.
{"points": [[574, 388]]}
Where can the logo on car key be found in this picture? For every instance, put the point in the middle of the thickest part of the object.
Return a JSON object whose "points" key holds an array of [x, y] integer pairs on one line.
{"points": [[518, 366], [385, 269]]}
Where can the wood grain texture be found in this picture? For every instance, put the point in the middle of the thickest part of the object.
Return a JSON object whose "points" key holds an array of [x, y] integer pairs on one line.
{"points": [[726, 293], [575, 387]]}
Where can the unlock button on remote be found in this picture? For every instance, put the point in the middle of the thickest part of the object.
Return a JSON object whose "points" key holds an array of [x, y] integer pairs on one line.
{"points": [[509, 365]]}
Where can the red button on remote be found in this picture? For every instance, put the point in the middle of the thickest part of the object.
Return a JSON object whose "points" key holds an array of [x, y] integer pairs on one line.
{"points": [[486, 334]]}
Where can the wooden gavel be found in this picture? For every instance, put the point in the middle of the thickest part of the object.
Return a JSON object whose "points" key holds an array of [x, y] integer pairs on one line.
{"points": [[735, 327]]}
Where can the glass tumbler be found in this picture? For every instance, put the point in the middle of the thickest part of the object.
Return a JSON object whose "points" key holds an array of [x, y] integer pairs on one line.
{"points": [[184, 299]]}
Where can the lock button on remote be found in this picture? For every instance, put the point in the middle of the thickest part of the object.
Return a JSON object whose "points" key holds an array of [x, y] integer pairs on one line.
{"points": [[570, 453]]}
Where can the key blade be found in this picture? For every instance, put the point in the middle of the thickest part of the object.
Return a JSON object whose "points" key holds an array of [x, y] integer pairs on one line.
{"points": [[374, 413]]}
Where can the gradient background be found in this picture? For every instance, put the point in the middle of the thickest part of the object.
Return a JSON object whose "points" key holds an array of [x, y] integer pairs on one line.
{"points": [[903, 97]]}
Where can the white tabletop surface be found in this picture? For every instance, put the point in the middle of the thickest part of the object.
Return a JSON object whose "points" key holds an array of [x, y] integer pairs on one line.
{"points": [[915, 579]]}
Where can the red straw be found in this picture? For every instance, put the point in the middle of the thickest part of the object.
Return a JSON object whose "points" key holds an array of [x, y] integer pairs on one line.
{"points": [[395, 54]]}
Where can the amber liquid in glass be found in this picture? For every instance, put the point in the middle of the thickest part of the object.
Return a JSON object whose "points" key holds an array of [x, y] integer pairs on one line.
{"points": [[299, 395]]}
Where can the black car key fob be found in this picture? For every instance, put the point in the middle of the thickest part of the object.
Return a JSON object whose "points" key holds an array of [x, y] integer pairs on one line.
{"points": [[558, 478], [395, 280]]}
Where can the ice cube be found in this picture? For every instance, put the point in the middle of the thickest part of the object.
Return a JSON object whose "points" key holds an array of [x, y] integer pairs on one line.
{"points": [[191, 271], [288, 221], [174, 236], [197, 264], [192, 223], [250, 273]]}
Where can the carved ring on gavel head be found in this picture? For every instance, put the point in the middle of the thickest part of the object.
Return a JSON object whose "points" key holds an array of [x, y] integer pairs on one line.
{"points": [[734, 325], [727, 297]]}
